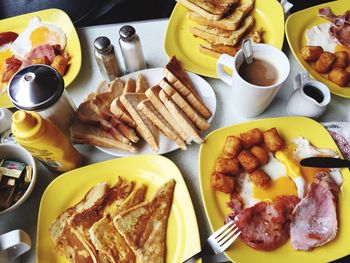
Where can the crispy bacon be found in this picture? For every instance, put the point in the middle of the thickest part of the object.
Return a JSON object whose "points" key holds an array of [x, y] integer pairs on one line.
{"points": [[7, 37]]}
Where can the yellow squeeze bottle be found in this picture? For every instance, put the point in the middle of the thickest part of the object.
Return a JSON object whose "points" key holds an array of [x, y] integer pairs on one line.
{"points": [[45, 141]]}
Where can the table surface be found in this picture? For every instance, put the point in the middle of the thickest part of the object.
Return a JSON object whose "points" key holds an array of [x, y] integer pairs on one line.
{"points": [[152, 34]]}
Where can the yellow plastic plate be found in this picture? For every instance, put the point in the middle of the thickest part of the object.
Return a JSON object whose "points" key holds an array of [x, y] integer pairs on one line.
{"points": [[215, 202], [55, 16], [179, 41], [152, 170], [296, 26]]}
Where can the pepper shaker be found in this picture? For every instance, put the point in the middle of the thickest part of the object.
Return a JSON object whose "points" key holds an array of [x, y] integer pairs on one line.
{"points": [[106, 58], [131, 48]]}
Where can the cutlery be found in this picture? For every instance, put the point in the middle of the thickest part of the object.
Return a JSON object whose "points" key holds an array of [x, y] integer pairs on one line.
{"points": [[325, 162], [218, 242]]}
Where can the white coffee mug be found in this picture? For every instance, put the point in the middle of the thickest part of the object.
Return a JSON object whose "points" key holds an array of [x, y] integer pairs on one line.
{"points": [[310, 98], [251, 100], [13, 244]]}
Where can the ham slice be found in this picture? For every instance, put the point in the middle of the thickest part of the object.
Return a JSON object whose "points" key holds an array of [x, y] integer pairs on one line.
{"points": [[340, 28], [314, 221], [42, 51], [265, 226]]}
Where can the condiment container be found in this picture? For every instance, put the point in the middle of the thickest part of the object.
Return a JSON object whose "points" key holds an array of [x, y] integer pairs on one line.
{"points": [[40, 88], [5, 120], [45, 141], [106, 58], [131, 48]]}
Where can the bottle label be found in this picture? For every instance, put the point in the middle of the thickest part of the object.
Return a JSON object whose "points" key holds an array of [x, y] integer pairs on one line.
{"points": [[45, 156]]}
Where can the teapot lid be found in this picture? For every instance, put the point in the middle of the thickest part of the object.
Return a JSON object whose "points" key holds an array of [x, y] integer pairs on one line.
{"points": [[35, 87]]}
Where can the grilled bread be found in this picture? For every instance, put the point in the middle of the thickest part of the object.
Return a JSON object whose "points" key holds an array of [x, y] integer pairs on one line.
{"points": [[130, 86], [230, 22], [148, 131], [220, 36], [141, 84], [191, 113], [94, 135], [119, 111], [155, 116], [144, 226], [210, 9]]}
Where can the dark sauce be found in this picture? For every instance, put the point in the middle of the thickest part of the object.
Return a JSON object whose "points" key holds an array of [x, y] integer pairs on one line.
{"points": [[313, 92]]}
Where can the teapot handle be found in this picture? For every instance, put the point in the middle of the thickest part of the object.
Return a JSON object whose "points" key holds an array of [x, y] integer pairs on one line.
{"points": [[300, 79]]}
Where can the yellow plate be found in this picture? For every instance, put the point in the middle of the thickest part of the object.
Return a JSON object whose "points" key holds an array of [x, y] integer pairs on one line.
{"points": [[179, 41], [153, 170], [55, 16], [215, 202], [296, 26]]}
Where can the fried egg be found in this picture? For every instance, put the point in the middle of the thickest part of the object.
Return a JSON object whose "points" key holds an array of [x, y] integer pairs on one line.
{"points": [[37, 33], [319, 36], [5, 53], [287, 176]]}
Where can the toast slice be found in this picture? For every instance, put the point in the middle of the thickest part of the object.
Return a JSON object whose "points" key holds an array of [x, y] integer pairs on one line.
{"points": [[153, 95], [229, 22], [94, 135], [220, 36], [66, 242], [144, 225], [178, 78], [181, 118], [124, 129], [191, 113], [130, 86], [105, 236], [151, 112], [210, 9], [215, 50], [119, 111], [145, 127], [141, 84]]}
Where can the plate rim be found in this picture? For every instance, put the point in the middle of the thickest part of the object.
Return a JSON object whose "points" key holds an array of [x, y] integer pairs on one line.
{"points": [[211, 221], [191, 75], [195, 235]]}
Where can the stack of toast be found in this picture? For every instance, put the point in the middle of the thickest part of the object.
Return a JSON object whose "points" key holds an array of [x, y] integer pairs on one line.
{"points": [[222, 24], [116, 115], [115, 224]]}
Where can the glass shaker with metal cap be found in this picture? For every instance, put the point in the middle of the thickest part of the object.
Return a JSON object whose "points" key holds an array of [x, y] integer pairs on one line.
{"points": [[40, 88], [131, 48], [106, 59]]}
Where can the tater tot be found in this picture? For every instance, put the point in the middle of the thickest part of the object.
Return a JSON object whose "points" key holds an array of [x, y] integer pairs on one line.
{"points": [[324, 62], [248, 161], [339, 76], [251, 137], [41, 60], [233, 146], [60, 64], [260, 179], [272, 140], [311, 53], [261, 154], [222, 183], [227, 166], [342, 60]]}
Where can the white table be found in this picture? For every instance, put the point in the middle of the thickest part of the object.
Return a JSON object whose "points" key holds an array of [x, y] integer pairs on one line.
{"points": [[152, 34]]}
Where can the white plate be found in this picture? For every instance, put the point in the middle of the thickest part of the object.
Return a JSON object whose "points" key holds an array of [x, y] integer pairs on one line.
{"points": [[153, 77]]}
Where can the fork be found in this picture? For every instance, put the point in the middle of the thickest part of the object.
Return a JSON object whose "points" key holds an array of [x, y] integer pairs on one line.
{"points": [[218, 242]]}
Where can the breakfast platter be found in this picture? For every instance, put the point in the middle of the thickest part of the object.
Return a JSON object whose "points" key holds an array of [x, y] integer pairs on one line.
{"points": [[297, 26], [215, 203], [178, 40], [54, 18], [182, 236]]}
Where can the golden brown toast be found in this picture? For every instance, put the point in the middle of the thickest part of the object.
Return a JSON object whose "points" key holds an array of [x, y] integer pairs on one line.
{"points": [[141, 84], [144, 225]]}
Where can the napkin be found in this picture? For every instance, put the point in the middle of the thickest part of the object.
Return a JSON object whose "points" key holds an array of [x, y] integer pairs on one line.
{"points": [[340, 132]]}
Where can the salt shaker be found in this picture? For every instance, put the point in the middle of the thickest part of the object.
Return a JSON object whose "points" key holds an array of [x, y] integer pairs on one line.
{"points": [[40, 88], [131, 48], [106, 58]]}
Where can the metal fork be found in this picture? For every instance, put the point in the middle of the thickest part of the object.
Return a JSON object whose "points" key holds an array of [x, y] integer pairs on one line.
{"points": [[218, 242]]}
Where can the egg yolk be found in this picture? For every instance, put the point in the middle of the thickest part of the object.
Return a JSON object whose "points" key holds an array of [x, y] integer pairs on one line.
{"points": [[342, 48], [309, 173], [4, 55], [42, 35], [281, 186]]}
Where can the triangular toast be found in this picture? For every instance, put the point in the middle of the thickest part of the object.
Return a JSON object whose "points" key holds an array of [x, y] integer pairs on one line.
{"points": [[144, 226]]}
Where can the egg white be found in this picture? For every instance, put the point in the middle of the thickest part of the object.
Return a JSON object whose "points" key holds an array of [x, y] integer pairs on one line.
{"points": [[23, 45], [319, 36]]}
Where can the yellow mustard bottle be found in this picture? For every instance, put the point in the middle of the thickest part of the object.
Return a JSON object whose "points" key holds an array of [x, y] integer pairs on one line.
{"points": [[45, 141]]}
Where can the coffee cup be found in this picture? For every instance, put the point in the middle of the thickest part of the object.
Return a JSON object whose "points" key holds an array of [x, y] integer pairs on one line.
{"points": [[13, 244], [310, 98], [251, 99]]}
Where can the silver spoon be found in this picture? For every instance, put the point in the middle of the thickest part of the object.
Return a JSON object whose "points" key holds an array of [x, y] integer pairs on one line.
{"points": [[247, 50]]}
